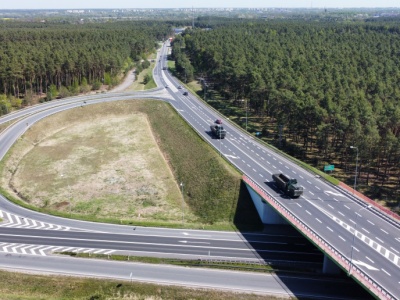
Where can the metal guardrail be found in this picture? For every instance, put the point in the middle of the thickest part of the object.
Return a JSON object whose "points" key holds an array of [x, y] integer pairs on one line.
{"points": [[327, 248]]}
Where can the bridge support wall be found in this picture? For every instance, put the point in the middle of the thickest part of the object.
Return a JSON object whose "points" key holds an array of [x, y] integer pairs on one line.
{"points": [[329, 266], [267, 213]]}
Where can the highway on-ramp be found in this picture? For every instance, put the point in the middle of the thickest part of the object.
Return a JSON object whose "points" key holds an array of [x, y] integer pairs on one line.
{"points": [[337, 217]]}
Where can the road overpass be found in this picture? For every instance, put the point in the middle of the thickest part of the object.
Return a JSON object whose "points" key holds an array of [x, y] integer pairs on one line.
{"points": [[358, 238]]}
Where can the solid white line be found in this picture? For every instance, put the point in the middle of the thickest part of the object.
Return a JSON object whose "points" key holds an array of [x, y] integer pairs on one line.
{"points": [[386, 272], [369, 259]]}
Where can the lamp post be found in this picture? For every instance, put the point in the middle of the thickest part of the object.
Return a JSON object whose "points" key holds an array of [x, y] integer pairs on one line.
{"points": [[183, 201], [354, 237], [355, 176], [246, 113]]}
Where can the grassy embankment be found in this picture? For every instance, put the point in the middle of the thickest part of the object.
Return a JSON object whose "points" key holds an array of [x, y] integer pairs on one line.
{"points": [[32, 287], [91, 161]]}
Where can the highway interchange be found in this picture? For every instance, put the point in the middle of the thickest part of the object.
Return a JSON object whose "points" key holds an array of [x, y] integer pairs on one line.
{"points": [[334, 214]]}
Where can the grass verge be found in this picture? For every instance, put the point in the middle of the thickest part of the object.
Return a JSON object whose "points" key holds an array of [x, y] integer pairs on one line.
{"points": [[213, 191], [32, 287], [201, 263]]}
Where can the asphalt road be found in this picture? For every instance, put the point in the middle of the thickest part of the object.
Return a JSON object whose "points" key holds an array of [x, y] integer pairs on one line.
{"points": [[336, 216]]}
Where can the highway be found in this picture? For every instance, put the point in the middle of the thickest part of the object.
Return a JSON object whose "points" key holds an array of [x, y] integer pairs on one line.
{"points": [[338, 217]]}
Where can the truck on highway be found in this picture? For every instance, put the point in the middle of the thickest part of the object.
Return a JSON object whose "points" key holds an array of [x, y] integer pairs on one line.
{"points": [[218, 130], [288, 185]]}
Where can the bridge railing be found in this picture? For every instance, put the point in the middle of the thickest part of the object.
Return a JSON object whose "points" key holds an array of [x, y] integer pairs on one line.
{"points": [[320, 242]]}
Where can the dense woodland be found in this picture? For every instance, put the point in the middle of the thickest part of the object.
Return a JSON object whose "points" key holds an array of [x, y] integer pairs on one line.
{"points": [[329, 86], [38, 58]]}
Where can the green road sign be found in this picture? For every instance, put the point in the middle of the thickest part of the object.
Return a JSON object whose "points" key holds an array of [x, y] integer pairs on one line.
{"points": [[329, 168]]}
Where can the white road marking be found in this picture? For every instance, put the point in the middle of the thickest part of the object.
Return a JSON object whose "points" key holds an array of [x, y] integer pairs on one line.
{"points": [[298, 204], [342, 238], [301, 177], [329, 228], [356, 249], [352, 221], [386, 272], [333, 193], [365, 230], [384, 231], [369, 259], [311, 193], [380, 240], [346, 206], [330, 206], [308, 181], [317, 188], [318, 220], [340, 213], [308, 212], [395, 250], [370, 222], [365, 265]]}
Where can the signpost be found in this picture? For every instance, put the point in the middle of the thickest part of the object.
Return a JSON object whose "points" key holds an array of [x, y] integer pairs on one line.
{"points": [[329, 168]]}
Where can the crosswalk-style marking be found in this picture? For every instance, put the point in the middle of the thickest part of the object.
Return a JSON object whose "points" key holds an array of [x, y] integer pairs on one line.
{"points": [[44, 250], [15, 221]]}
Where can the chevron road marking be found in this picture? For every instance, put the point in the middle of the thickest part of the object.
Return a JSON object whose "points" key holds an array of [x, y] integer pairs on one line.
{"points": [[16, 221]]}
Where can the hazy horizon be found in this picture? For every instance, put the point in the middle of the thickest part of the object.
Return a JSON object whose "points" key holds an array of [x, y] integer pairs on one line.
{"points": [[121, 4]]}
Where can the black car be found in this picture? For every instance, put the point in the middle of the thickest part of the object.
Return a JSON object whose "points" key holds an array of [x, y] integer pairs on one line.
{"points": [[185, 93]]}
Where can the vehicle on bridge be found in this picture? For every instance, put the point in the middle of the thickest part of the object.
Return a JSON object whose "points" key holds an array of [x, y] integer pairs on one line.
{"points": [[218, 130], [288, 185]]}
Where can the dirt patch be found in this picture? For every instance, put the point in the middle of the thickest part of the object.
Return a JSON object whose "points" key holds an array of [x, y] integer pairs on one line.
{"points": [[100, 160]]}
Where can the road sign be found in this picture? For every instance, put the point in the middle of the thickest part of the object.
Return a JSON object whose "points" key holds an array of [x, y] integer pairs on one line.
{"points": [[329, 168]]}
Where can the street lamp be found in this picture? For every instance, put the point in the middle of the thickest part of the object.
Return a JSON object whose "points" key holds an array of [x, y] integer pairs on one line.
{"points": [[355, 176], [246, 113], [183, 200], [354, 237]]}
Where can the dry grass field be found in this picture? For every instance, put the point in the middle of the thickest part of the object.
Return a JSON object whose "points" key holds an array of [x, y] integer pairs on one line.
{"points": [[100, 160]]}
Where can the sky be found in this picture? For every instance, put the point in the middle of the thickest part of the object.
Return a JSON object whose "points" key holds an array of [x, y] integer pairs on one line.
{"points": [[80, 4]]}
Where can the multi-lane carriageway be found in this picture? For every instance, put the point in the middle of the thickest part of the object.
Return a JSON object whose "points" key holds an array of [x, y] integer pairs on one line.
{"points": [[361, 240]]}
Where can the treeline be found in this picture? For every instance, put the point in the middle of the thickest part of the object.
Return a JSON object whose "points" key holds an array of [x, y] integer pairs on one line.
{"points": [[37, 58], [329, 85]]}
